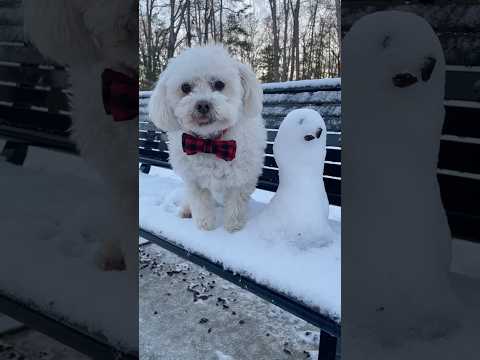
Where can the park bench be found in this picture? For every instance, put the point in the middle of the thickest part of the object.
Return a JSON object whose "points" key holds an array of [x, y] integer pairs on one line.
{"points": [[279, 99], [34, 112], [458, 172]]}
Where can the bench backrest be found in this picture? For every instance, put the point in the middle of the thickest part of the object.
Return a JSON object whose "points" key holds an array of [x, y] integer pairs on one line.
{"points": [[459, 158], [279, 100], [33, 91]]}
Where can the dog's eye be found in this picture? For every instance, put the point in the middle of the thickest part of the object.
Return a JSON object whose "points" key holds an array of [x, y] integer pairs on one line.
{"points": [[218, 85], [186, 88], [309, 137]]}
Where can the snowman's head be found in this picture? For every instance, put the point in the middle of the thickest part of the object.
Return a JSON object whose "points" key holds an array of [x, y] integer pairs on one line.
{"points": [[301, 140], [393, 54]]}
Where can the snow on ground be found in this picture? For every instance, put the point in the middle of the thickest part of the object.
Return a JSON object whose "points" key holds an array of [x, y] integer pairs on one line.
{"points": [[186, 313], [312, 275], [50, 264]]}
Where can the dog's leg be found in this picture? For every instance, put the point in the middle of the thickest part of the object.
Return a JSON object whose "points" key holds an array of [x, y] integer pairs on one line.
{"points": [[110, 257], [236, 202], [202, 207], [185, 210]]}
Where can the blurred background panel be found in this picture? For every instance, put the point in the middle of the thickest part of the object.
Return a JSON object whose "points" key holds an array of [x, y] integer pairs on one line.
{"points": [[56, 299]]}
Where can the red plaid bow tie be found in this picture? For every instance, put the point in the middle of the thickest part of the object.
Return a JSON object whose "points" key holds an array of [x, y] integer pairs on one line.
{"points": [[223, 149], [120, 95]]}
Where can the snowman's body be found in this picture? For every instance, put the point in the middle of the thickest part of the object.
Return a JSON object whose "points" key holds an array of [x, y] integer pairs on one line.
{"points": [[396, 240], [299, 210]]}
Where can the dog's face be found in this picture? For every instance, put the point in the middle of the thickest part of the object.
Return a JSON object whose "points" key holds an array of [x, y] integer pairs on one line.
{"points": [[205, 91]]}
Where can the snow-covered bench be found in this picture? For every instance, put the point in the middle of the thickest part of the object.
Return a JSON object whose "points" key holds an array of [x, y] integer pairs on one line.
{"points": [[309, 287], [34, 112]]}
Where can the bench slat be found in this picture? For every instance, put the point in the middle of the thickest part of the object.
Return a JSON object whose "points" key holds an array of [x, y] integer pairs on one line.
{"points": [[464, 157], [22, 55], [33, 119], [34, 76], [50, 99], [460, 198], [463, 85], [462, 121]]}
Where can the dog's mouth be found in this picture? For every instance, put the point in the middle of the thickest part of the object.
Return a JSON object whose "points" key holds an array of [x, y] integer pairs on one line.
{"points": [[203, 120]]}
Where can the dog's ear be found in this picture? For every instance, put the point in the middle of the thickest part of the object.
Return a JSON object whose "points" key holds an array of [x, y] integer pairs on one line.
{"points": [[252, 91], [57, 29], [159, 110]]}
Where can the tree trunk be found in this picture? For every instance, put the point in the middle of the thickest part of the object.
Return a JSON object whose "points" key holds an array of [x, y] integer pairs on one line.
{"points": [[171, 37], [276, 43], [286, 10], [205, 22], [295, 64], [221, 20], [189, 24]]}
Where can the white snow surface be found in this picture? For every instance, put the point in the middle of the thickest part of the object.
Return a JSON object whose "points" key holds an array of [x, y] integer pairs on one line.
{"points": [[60, 244], [221, 356], [310, 274], [331, 82]]}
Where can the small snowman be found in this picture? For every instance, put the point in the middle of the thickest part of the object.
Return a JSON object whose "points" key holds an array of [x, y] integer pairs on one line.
{"points": [[397, 235], [299, 210]]}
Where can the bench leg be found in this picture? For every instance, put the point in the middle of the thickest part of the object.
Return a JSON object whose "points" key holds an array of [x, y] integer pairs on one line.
{"points": [[15, 152], [328, 346], [145, 168]]}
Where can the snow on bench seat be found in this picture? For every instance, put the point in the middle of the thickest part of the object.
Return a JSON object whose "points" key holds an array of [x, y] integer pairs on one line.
{"points": [[311, 275], [60, 244]]}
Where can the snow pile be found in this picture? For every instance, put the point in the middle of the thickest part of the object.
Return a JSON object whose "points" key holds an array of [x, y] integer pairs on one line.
{"points": [[221, 356], [307, 272], [64, 214], [299, 210]]}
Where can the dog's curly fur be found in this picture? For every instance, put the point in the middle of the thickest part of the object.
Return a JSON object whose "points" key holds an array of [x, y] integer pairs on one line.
{"points": [[90, 36], [235, 109]]}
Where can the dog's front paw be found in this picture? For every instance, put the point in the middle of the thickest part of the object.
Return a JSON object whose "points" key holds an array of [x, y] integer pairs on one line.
{"points": [[111, 263], [110, 257], [185, 213], [234, 223], [205, 222]]}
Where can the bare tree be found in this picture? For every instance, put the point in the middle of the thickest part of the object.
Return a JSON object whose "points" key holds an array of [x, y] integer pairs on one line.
{"points": [[276, 41], [295, 58], [297, 40], [286, 11]]}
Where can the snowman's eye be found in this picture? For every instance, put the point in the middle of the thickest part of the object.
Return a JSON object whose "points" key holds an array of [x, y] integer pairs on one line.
{"points": [[404, 79], [386, 41], [309, 137]]}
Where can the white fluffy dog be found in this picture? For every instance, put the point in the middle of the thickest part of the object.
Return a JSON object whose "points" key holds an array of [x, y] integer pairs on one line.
{"points": [[91, 36], [208, 99]]}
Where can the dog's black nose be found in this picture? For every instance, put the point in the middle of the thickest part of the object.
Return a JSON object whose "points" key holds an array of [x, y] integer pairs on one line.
{"points": [[203, 107]]}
